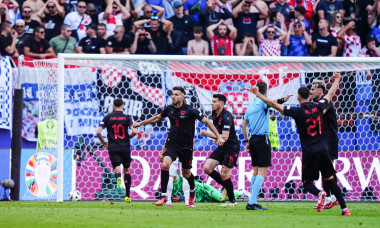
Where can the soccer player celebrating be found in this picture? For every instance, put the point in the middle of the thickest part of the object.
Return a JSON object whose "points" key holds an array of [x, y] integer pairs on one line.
{"points": [[257, 115], [180, 138], [317, 93], [228, 153], [118, 144], [312, 130]]}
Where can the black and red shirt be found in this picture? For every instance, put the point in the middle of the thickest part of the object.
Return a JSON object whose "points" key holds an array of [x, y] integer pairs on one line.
{"points": [[117, 125], [182, 125], [310, 125], [225, 122]]}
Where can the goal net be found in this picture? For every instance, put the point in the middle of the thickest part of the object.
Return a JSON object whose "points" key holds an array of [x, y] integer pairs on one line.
{"points": [[79, 91]]}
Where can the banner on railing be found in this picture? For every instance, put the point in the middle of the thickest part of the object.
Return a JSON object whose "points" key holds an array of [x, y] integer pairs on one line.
{"points": [[6, 98]]}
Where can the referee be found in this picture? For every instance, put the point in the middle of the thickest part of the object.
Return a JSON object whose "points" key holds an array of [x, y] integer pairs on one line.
{"points": [[257, 116]]}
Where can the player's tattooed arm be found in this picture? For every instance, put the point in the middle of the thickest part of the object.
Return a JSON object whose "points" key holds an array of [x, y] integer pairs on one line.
{"points": [[334, 87], [268, 101], [99, 134], [151, 120], [133, 131]]}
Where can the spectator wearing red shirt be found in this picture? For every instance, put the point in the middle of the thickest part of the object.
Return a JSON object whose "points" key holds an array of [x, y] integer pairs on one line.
{"points": [[223, 43], [270, 46], [352, 43]]}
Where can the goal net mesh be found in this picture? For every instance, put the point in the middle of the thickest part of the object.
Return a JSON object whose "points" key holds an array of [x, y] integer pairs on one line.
{"points": [[146, 87]]}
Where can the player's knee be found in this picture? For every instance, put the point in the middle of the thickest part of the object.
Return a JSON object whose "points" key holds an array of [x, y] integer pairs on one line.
{"points": [[117, 169], [165, 166], [127, 172]]}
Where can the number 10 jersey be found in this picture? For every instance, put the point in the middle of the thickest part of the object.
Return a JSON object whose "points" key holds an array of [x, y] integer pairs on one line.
{"points": [[117, 125]]}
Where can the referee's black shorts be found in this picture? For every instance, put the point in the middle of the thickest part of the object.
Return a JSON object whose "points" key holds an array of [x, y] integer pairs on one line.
{"points": [[313, 163], [260, 150]]}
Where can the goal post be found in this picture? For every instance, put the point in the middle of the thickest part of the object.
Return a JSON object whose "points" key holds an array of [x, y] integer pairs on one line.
{"points": [[88, 83]]}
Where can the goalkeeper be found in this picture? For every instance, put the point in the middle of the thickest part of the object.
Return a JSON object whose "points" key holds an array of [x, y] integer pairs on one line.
{"points": [[204, 192]]}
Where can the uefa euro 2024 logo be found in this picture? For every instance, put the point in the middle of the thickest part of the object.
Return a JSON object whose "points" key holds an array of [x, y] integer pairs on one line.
{"points": [[41, 174]]}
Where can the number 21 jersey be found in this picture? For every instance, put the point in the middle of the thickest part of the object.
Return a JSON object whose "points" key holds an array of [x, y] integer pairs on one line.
{"points": [[117, 125], [310, 125]]}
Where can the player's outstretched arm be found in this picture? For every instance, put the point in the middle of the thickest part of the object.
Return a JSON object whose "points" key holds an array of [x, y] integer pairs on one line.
{"points": [[211, 126], [99, 134], [134, 131], [151, 120], [268, 101], [207, 134], [283, 100], [334, 87]]}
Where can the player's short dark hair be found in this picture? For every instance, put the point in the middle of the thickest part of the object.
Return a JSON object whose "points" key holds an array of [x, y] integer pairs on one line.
{"points": [[180, 89], [220, 97], [118, 102], [198, 29], [304, 92], [262, 87]]}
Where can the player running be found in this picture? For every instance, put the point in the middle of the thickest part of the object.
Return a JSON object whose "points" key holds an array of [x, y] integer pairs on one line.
{"points": [[180, 137], [118, 144], [259, 147], [317, 92], [225, 155], [312, 130]]}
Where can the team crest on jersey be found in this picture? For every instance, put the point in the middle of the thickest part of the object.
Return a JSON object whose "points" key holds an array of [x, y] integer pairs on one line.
{"points": [[183, 113], [303, 42], [171, 112]]}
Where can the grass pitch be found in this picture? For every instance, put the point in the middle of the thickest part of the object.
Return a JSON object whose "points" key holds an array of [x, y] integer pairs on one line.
{"points": [[146, 214]]}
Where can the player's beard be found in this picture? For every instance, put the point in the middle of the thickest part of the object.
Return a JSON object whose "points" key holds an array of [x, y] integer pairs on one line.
{"points": [[176, 101]]}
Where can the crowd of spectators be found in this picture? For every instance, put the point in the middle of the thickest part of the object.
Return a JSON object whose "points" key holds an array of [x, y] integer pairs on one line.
{"points": [[42, 29]]}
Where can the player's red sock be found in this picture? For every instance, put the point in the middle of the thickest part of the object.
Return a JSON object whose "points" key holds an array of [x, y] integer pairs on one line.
{"points": [[227, 184], [164, 180], [216, 176], [127, 181]]}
